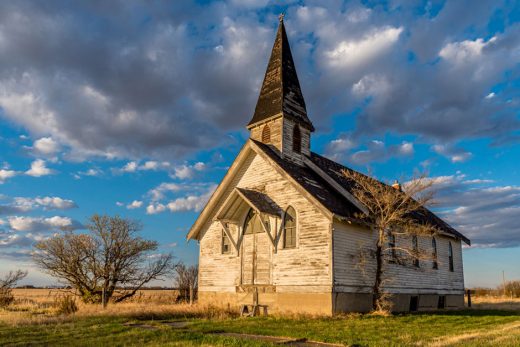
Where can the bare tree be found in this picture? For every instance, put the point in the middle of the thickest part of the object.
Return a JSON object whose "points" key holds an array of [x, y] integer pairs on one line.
{"points": [[7, 284], [111, 261], [392, 212], [186, 277]]}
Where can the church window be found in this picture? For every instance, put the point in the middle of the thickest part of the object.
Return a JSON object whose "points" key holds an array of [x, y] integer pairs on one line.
{"points": [[415, 245], [391, 245], [450, 256], [266, 134], [434, 253], [289, 228], [252, 223], [297, 139], [226, 243]]}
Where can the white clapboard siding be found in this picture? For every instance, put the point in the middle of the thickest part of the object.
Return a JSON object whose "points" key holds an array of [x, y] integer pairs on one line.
{"points": [[307, 264], [350, 274]]}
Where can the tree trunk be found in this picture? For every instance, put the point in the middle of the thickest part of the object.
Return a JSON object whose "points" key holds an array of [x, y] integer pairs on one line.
{"points": [[376, 297]]}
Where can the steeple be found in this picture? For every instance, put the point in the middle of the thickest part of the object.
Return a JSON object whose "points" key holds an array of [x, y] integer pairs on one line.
{"points": [[281, 94], [280, 117]]}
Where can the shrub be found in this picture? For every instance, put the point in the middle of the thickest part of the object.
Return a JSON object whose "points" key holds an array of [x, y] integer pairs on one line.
{"points": [[66, 305], [6, 297]]}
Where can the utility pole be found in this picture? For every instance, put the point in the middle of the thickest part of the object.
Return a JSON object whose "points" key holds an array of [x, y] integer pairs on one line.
{"points": [[504, 282]]}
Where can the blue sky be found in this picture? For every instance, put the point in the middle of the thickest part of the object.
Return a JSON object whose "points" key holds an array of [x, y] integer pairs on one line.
{"points": [[138, 110]]}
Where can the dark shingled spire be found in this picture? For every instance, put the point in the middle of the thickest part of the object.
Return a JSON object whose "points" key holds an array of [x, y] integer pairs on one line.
{"points": [[281, 93]]}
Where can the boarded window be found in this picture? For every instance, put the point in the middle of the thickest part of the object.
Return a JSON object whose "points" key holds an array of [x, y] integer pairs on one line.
{"points": [[297, 139], [434, 253], [289, 228], [415, 246], [266, 134], [450, 256], [226, 243]]}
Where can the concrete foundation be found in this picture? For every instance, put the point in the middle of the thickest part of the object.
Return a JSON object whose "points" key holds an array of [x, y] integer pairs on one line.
{"points": [[361, 302], [309, 303], [327, 303]]}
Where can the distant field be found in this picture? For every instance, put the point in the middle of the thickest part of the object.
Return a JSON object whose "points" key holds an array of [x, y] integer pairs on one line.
{"points": [[31, 321], [48, 295]]}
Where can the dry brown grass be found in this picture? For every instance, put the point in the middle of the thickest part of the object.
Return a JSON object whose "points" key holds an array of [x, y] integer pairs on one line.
{"points": [[495, 303], [39, 306]]}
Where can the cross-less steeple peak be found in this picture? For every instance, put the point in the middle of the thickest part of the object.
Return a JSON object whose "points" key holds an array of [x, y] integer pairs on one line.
{"points": [[281, 94]]}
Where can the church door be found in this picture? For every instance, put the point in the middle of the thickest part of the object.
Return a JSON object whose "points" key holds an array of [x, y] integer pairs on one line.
{"points": [[256, 252]]}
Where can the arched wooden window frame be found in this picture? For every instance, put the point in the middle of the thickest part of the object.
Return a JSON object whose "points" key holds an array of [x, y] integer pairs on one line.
{"points": [[266, 134], [297, 139], [450, 257], [292, 241], [415, 245], [251, 215], [435, 264]]}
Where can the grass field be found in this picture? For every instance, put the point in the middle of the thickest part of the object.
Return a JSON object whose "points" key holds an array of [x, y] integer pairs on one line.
{"points": [[143, 324]]}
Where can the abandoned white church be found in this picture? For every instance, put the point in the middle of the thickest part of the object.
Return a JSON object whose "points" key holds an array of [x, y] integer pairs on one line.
{"points": [[280, 228]]}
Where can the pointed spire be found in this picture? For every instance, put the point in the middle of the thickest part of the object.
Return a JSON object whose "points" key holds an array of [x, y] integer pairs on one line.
{"points": [[281, 93]]}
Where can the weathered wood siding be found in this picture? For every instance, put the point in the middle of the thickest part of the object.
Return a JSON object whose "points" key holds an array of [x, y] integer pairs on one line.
{"points": [[304, 268], [351, 275], [287, 142]]}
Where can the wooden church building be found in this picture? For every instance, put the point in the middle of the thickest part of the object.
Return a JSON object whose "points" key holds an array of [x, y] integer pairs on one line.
{"points": [[280, 229]]}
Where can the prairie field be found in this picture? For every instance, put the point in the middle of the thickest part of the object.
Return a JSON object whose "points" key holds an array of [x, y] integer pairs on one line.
{"points": [[154, 319]]}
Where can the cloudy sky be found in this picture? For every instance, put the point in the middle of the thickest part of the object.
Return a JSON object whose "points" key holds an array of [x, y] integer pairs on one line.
{"points": [[138, 109]]}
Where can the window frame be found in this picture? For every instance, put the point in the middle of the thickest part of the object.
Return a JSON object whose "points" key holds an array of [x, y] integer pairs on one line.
{"points": [[435, 264], [415, 245], [223, 243], [297, 139], [266, 134], [284, 229], [392, 242], [450, 257]]}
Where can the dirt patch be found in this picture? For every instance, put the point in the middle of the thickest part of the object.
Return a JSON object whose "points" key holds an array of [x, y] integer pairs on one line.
{"points": [[140, 326], [285, 341]]}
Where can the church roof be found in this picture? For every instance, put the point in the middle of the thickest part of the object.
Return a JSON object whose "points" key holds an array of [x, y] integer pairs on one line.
{"points": [[335, 202], [334, 170], [281, 93], [312, 183]]}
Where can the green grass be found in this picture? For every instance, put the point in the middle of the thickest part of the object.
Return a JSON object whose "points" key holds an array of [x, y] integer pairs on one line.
{"points": [[477, 327]]}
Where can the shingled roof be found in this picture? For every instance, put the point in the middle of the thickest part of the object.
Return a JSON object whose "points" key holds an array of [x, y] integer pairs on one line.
{"points": [[281, 93], [335, 171], [319, 188]]}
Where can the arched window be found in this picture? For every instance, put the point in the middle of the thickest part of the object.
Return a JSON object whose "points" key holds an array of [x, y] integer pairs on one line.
{"points": [[296, 139], [415, 245], [289, 228], [252, 223], [266, 134], [434, 253], [450, 256]]}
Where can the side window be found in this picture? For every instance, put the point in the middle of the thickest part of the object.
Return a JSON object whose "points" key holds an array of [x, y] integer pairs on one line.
{"points": [[450, 256], [226, 243], [391, 245], [297, 139], [415, 246], [434, 253], [289, 228]]}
